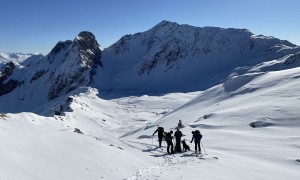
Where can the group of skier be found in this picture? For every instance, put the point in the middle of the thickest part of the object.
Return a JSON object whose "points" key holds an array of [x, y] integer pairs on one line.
{"points": [[168, 137]]}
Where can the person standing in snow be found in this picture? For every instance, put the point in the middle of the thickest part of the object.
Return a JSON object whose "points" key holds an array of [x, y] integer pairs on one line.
{"points": [[169, 141], [160, 133], [197, 136], [178, 136], [180, 125]]}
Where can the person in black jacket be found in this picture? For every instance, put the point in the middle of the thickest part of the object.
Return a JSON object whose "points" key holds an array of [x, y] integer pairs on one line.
{"points": [[178, 136], [160, 132], [169, 141], [197, 136]]}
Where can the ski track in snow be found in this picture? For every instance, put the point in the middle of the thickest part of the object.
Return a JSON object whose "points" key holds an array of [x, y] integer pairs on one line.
{"points": [[126, 140], [167, 165]]}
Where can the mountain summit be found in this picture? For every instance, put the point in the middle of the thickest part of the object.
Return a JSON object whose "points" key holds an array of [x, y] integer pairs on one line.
{"points": [[181, 57], [69, 65], [81, 112], [167, 58], [80, 60]]}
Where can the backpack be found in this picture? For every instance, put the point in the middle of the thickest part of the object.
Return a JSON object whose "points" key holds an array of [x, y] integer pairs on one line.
{"points": [[168, 137], [160, 131], [198, 137], [164, 136]]}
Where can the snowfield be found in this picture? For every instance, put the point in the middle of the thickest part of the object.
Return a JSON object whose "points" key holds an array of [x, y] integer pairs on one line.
{"points": [[83, 112], [250, 126]]}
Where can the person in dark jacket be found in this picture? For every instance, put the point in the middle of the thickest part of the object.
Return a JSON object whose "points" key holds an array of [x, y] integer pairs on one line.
{"points": [[160, 133], [169, 141], [178, 136], [197, 136]]}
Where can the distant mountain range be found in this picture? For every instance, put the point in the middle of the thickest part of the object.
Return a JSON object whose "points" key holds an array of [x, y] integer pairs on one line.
{"points": [[18, 57], [167, 58]]}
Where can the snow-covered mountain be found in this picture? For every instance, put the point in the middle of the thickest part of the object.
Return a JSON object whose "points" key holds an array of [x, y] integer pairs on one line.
{"points": [[167, 58], [69, 65], [83, 112], [17, 57], [250, 126], [175, 57]]}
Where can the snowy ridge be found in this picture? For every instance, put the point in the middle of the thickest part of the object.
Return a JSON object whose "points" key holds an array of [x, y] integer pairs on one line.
{"points": [[82, 58], [86, 113], [250, 123], [69, 65], [167, 58], [224, 114], [177, 57]]}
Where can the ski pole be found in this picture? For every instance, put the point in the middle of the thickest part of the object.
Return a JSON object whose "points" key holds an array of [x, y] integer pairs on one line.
{"points": [[152, 140], [203, 148]]}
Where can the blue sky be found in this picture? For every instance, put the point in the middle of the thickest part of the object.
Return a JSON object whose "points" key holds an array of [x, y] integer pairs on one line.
{"points": [[37, 25]]}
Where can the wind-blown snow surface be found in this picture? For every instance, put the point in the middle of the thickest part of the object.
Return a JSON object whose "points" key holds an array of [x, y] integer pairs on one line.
{"points": [[35, 147], [223, 114]]}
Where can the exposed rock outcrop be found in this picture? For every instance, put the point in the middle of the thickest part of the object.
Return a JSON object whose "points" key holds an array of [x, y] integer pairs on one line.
{"points": [[7, 85]]}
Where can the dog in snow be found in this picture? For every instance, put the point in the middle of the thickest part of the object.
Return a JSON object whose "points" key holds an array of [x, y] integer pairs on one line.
{"points": [[185, 147]]}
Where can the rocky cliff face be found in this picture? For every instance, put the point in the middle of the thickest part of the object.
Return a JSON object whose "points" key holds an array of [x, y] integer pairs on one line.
{"points": [[79, 60], [69, 65], [7, 85]]}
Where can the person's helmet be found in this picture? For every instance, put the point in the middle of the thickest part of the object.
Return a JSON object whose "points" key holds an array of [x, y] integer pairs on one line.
{"points": [[171, 132], [179, 120]]}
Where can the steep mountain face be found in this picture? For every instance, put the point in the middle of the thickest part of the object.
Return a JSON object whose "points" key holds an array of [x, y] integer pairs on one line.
{"points": [[69, 65], [183, 57], [6, 87], [167, 58], [80, 60]]}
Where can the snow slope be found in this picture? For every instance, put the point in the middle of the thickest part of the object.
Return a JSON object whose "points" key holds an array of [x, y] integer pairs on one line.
{"points": [[39, 147], [35, 147], [267, 101], [86, 113], [117, 134]]}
